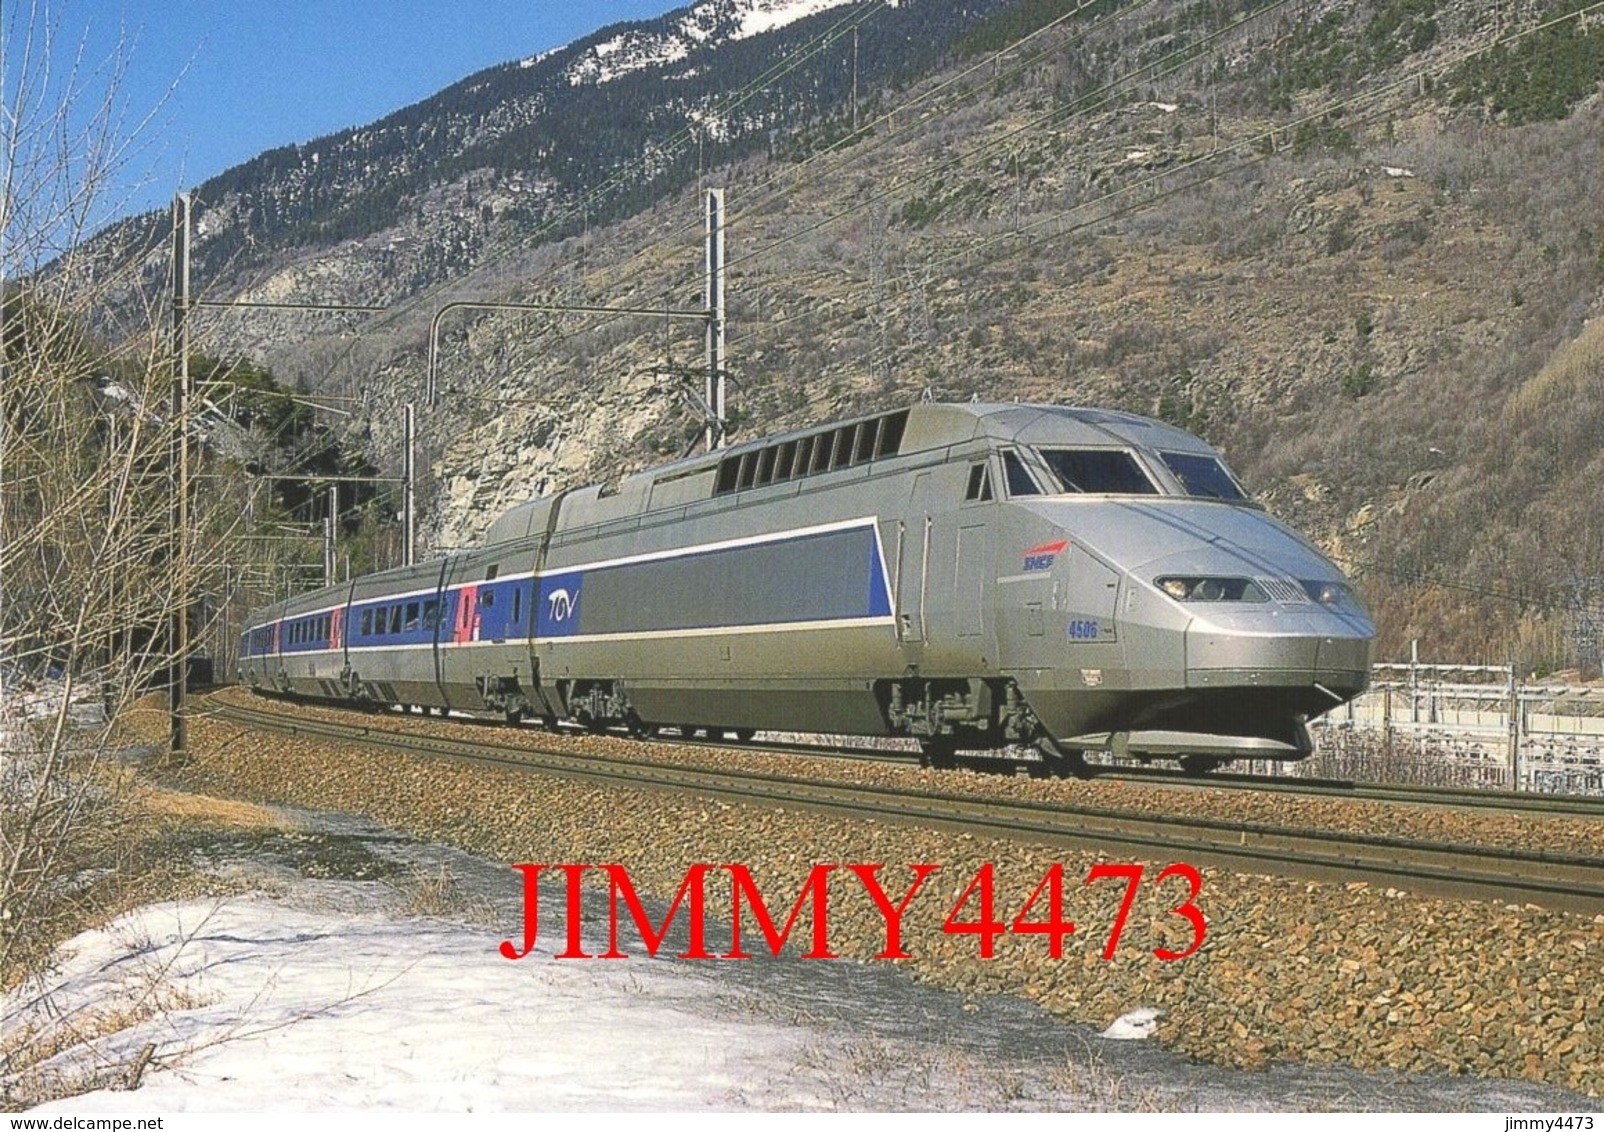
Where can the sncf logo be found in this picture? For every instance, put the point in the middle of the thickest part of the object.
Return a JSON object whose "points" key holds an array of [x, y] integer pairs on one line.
{"points": [[1042, 557]]}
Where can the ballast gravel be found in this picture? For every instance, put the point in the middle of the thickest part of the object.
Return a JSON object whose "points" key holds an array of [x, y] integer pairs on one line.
{"points": [[1287, 969]]}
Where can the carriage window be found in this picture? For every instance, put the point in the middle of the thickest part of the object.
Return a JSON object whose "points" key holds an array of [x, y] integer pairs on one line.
{"points": [[395, 618], [431, 614], [823, 444], [1020, 481], [804, 456], [487, 597], [1102, 471], [517, 603], [490, 571], [367, 622], [727, 471], [748, 470], [765, 466], [843, 446], [412, 616], [868, 432], [784, 461], [891, 430], [1203, 476], [979, 484]]}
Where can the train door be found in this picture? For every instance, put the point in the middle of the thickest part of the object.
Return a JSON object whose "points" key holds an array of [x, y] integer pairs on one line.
{"points": [[969, 578], [974, 571], [914, 534], [437, 622]]}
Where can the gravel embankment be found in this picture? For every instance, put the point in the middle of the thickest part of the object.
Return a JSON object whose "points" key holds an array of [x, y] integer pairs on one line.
{"points": [[1558, 834], [1288, 970]]}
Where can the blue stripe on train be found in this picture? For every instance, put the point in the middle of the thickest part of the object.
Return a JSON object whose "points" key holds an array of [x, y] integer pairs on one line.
{"points": [[829, 576]]}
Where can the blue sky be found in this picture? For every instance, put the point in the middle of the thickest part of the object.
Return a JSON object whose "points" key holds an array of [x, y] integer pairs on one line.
{"points": [[225, 81]]}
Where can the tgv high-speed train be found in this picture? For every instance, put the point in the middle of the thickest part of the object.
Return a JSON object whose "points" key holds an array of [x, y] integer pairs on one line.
{"points": [[972, 576]]}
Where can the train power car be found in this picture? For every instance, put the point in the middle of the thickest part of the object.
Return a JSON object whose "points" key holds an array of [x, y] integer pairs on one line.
{"points": [[972, 576]]}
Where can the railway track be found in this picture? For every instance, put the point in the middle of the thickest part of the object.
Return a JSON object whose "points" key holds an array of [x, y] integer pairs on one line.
{"points": [[1330, 789], [1459, 797], [1464, 798], [1572, 883]]}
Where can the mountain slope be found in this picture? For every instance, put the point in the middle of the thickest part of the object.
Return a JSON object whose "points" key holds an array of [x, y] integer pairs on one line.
{"points": [[1356, 245], [555, 142]]}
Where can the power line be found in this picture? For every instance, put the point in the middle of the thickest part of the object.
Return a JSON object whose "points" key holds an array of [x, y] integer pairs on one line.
{"points": [[1253, 145], [579, 208]]}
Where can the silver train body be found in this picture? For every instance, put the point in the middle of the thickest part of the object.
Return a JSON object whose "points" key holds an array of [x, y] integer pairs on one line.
{"points": [[972, 576]]}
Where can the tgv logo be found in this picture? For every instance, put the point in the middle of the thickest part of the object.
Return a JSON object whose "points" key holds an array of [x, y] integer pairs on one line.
{"points": [[560, 605]]}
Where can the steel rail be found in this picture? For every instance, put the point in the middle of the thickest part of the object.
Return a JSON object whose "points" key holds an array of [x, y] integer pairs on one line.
{"points": [[1571, 883], [1455, 797]]}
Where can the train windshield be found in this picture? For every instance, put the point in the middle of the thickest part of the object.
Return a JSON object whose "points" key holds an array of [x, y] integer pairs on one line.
{"points": [[1203, 476], [1098, 471]]}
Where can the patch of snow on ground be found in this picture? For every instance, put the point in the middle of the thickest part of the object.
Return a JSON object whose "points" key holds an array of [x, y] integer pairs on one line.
{"points": [[298, 1009], [1135, 1026], [332, 994]]}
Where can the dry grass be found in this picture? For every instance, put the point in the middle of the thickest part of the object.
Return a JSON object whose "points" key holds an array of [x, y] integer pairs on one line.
{"points": [[47, 1052], [135, 850], [192, 810], [1573, 373]]}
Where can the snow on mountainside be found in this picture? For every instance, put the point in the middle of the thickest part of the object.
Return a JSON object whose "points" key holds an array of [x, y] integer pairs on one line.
{"points": [[398, 205], [705, 24]]}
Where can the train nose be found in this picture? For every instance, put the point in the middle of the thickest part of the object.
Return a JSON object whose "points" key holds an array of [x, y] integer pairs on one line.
{"points": [[1276, 646]]}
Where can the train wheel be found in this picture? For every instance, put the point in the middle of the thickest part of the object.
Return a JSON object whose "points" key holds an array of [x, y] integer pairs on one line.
{"points": [[1197, 765], [745, 734], [514, 717]]}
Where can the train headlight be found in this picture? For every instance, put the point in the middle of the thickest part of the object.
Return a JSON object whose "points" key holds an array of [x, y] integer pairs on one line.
{"points": [[1329, 593], [1192, 588], [1178, 588]]}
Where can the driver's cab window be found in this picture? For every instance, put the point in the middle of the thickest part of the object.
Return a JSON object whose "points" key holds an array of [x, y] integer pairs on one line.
{"points": [[979, 486]]}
